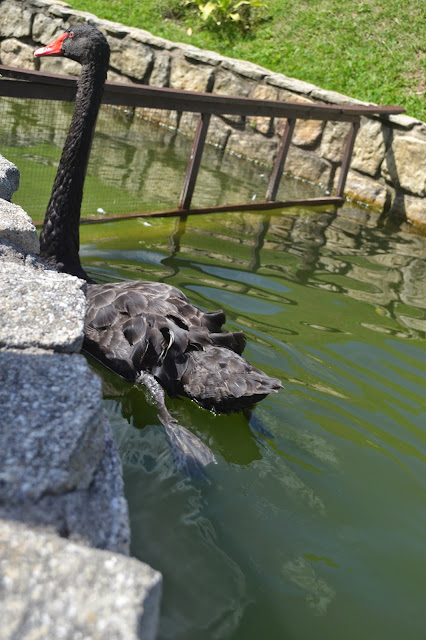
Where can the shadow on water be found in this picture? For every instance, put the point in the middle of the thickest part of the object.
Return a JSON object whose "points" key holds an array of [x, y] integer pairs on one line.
{"points": [[312, 522]]}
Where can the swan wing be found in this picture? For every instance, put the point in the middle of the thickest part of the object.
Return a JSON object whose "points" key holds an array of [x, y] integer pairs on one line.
{"points": [[143, 326], [134, 326], [223, 381]]}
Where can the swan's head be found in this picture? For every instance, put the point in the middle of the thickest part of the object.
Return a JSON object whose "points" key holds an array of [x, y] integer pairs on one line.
{"points": [[82, 43]]}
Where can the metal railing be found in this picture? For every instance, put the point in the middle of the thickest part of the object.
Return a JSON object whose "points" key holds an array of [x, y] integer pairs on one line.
{"points": [[19, 83]]}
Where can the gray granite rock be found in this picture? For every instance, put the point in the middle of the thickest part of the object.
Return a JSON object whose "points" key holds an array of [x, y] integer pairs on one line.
{"points": [[245, 68], [230, 84], [45, 28], [62, 66], [161, 71], [99, 515], [408, 155], [307, 165], [9, 178], [333, 97], [10, 252], [52, 427], [333, 140], [252, 145], [366, 190], [409, 207], [292, 84], [115, 29], [133, 59], [194, 54], [17, 227], [53, 589], [96, 516], [41, 308], [405, 122], [184, 75]]}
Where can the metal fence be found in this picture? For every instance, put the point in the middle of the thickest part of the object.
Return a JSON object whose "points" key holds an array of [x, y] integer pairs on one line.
{"points": [[49, 124]]}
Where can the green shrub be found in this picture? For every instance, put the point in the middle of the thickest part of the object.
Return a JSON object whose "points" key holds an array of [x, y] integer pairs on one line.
{"points": [[226, 14]]}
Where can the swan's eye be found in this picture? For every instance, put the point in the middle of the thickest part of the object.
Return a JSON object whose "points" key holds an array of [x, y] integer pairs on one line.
{"points": [[71, 34]]}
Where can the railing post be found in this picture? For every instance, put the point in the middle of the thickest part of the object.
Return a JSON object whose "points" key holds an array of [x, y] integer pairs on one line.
{"points": [[194, 161], [277, 171], [347, 156]]}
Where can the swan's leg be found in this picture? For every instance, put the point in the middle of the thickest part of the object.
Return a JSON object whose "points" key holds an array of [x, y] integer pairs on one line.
{"points": [[190, 455]]}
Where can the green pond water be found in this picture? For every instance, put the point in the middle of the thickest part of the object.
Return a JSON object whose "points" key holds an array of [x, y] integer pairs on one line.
{"points": [[312, 523]]}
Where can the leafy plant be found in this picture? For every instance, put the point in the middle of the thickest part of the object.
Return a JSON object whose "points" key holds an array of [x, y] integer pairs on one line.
{"points": [[226, 13]]}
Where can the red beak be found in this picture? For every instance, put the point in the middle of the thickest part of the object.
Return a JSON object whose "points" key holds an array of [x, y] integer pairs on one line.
{"points": [[54, 49]]}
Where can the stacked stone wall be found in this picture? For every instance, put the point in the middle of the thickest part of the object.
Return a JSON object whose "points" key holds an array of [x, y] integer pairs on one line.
{"points": [[388, 169]]}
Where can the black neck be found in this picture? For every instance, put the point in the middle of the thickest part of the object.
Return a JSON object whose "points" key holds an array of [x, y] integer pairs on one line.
{"points": [[59, 238]]}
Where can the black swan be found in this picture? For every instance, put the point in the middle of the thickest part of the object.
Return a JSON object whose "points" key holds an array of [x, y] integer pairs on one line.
{"points": [[147, 332]]}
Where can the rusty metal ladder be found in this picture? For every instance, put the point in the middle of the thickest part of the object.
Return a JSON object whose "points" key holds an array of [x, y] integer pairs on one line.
{"points": [[34, 84]]}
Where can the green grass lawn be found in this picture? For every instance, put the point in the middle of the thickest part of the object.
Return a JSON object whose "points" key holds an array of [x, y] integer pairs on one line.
{"points": [[373, 50]]}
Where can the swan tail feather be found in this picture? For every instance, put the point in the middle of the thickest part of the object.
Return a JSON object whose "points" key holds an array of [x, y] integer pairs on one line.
{"points": [[189, 454]]}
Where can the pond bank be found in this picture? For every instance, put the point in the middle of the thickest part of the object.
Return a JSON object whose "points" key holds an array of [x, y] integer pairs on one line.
{"points": [[64, 527], [387, 170]]}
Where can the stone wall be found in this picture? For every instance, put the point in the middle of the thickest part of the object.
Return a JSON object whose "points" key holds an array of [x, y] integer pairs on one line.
{"points": [[64, 529], [388, 165]]}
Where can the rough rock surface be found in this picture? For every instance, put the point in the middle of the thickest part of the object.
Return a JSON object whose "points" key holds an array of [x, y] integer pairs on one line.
{"points": [[366, 190], [333, 140], [370, 147], [10, 252], [41, 308], [15, 20], [59, 463], [15, 53], [184, 76], [309, 166], [54, 589], [17, 227], [57, 438], [9, 178], [405, 206]]}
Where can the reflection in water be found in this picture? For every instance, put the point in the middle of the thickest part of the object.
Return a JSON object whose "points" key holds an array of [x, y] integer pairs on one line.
{"points": [[323, 252], [319, 594], [312, 517], [312, 522], [208, 590], [305, 487]]}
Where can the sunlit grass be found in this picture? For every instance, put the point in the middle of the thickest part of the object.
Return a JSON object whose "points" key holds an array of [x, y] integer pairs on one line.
{"points": [[371, 50]]}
